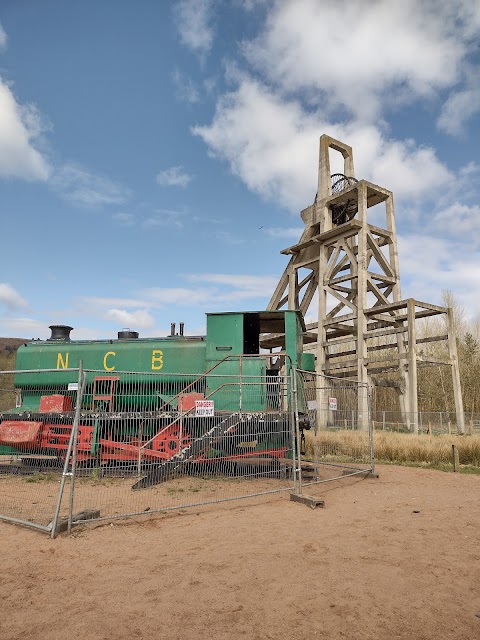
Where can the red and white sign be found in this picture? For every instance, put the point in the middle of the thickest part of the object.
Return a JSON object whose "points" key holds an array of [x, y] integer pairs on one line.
{"points": [[332, 404], [204, 408]]}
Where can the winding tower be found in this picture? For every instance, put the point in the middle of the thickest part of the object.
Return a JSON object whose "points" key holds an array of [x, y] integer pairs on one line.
{"points": [[364, 330]]}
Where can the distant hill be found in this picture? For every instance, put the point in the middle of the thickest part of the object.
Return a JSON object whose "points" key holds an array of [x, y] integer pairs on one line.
{"points": [[8, 350]]}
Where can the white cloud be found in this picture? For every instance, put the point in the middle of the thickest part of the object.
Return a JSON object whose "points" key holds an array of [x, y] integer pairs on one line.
{"points": [[193, 24], [337, 68], [96, 304], [181, 296], [20, 127], [459, 220], [136, 319], [165, 218], [212, 290], [227, 237], [82, 187], [409, 170], [11, 298], [173, 177], [266, 143], [238, 286], [362, 55], [124, 219], [3, 38], [459, 108], [286, 233], [23, 327], [429, 265], [185, 90], [272, 145], [207, 291]]}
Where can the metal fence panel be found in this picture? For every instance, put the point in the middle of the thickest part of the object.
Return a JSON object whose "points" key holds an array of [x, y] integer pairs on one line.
{"points": [[341, 441], [158, 443], [34, 435]]}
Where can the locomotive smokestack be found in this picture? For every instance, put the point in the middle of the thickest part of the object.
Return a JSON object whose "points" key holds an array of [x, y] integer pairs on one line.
{"points": [[60, 332], [182, 324], [172, 328]]}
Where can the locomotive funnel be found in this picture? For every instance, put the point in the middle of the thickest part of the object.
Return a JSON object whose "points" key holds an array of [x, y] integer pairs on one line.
{"points": [[60, 332]]}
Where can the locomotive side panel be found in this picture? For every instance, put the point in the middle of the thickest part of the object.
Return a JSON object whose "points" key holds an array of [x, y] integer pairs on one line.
{"points": [[178, 361]]}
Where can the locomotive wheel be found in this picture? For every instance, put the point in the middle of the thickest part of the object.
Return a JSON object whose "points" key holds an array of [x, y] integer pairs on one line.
{"points": [[172, 441]]}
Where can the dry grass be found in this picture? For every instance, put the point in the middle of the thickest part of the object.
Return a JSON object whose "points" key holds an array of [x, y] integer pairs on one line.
{"points": [[398, 448], [342, 445], [434, 450]]}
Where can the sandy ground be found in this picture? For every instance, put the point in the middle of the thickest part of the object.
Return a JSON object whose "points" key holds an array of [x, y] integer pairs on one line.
{"points": [[396, 557]]}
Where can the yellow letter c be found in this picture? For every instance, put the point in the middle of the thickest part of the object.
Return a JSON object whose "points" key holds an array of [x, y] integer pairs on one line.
{"points": [[105, 366]]}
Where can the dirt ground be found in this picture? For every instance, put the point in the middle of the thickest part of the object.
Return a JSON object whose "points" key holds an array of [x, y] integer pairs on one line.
{"points": [[394, 557]]}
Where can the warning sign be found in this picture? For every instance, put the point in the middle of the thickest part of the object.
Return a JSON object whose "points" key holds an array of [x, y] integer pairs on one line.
{"points": [[204, 408], [332, 404]]}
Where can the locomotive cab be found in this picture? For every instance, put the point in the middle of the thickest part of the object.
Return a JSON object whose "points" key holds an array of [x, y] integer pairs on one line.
{"points": [[242, 346]]}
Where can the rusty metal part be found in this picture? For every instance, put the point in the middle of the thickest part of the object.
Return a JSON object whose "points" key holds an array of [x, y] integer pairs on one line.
{"points": [[344, 211]]}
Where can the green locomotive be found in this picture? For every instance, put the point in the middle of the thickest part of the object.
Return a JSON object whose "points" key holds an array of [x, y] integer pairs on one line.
{"points": [[162, 402]]}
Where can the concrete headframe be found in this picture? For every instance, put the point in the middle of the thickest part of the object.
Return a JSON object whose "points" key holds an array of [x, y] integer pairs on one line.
{"points": [[363, 328]]}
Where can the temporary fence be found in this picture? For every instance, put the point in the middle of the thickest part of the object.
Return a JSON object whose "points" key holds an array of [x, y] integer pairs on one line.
{"points": [[340, 444], [112, 446], [167, 445], [79, 445], [32, 441]]}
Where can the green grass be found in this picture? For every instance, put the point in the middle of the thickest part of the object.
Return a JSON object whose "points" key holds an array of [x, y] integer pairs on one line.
{"points": [[42, 477]]}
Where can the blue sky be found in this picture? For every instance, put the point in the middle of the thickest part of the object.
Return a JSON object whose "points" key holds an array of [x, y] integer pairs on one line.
{"points": [[155, 156]]}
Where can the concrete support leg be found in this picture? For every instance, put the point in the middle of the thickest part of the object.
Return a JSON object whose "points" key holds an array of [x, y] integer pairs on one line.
{"points": [[412, 366], [457, 389]]}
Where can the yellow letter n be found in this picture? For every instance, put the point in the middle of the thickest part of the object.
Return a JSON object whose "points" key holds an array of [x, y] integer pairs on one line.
{"points": [[61, 363]]}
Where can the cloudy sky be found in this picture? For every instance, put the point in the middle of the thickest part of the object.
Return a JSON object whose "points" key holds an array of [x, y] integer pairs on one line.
{"points": [[155, 156]]}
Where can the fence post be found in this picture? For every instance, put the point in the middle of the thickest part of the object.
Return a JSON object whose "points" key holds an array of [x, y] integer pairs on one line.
{"points": [[293, 385], [383, 421], [72, 444], [241, 383], [76, 421], [293, 427], [370, 429], [456, 460]]}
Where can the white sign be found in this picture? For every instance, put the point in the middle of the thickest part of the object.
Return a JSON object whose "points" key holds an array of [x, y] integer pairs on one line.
{"points": [[73, 386], [332, 404], [311, 405], [204, 408]]}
